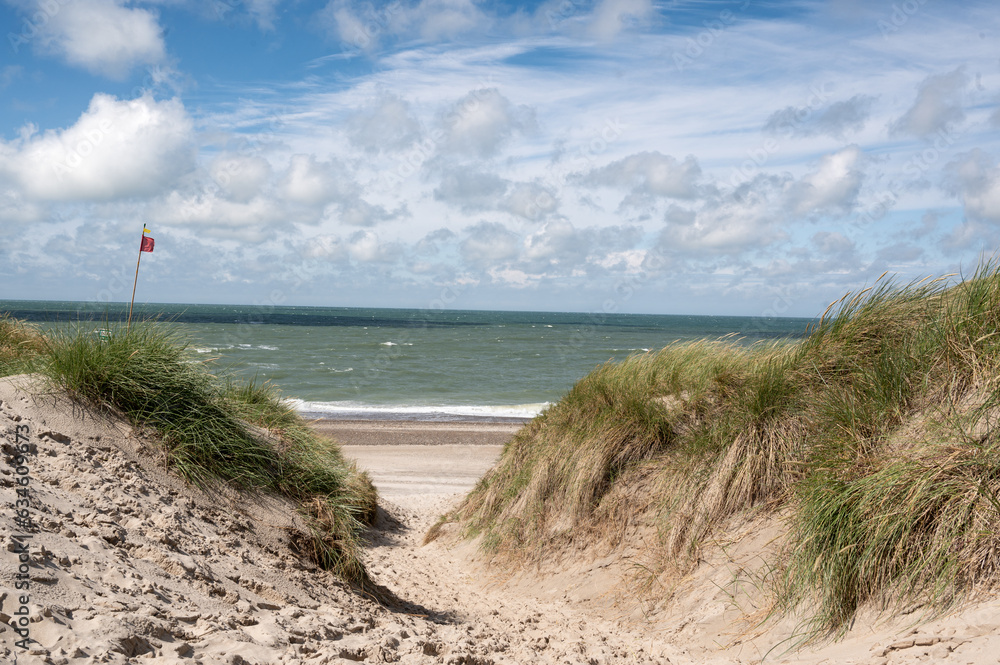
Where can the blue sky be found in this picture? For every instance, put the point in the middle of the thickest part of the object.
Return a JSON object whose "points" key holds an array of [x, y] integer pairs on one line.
{"points": [[702, 157]]}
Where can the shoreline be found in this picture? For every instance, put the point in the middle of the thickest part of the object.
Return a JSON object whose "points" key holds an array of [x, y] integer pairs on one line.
{"points": [[416, 432]]}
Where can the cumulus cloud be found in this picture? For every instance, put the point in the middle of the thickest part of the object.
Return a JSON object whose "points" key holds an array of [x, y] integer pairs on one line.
{"points": [[430, 244], [648, 174], [15, 211], [470, 189], [118, 148], [367, 247], [311, 182], [241, 177], [832, 242], [102, 36], [324, 247], [938, 104], [382, 125], [976, 179], [355, 211], [834, 185], [530, 200], [558, 245], [836, 120], [482, 121], [253, 221], [488, 244], [723, 226]]}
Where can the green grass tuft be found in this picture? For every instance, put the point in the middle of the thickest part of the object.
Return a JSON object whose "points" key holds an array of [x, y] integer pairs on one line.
{"points": [[214, 430], [20, 344]]}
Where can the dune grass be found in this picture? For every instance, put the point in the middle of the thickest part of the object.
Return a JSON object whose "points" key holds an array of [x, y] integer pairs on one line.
{"points": [[218, 430], [20, 344], [875, 434]]}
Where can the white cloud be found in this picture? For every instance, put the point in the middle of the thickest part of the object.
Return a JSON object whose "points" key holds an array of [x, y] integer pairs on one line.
{"points": [[977, 181], [116, 149], [513, 277], [447, 19], [311, 182], [530, 200], [240, 177], [102, 36], [649, 174], [384, 124], [834, 185], [366, 247], [253, 221], [344, 25], [470, 189], [15, 211], [938, 104], [725, 225], [358, 212], [367, 27], [835, 120], [557, 246], [832, 242], [482, 121], [324, 246], [611, 17], [263, 12], [488, 244]]}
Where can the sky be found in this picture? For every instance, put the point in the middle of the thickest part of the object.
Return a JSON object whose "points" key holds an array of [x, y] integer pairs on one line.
{"points": [[753, 158]]}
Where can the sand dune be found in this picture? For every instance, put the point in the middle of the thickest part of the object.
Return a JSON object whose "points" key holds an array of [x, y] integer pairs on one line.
{"points": [[130, 565]]}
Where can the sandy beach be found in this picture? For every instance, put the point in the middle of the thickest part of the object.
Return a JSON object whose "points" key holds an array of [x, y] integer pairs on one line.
{"points": [[131, 565], [411, 432]]}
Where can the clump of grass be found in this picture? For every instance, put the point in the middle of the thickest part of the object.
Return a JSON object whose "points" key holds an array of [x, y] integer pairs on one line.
{"points": [[242, 434], [875, 434], [919, 529], [20, 344]]}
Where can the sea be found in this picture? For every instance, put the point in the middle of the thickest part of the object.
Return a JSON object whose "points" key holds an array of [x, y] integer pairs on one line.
{"points": [[410, 364]]}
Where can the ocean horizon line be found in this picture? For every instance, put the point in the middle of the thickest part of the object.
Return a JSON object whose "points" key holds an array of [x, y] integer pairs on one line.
{"points": [[34, 310]]}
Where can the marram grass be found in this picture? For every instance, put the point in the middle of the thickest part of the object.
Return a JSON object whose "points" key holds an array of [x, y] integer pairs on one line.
{"points": [[213, 429], [20, 344], [875, 434]]}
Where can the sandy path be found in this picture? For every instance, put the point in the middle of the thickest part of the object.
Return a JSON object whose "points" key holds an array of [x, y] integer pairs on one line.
{"points": [[474, 619], [469, 612]]}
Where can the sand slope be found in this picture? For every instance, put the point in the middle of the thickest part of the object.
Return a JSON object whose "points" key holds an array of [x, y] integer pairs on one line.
{"points": [[130, 565]]}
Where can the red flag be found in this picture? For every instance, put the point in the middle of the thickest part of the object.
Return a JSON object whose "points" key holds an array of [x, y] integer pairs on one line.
{"points": [[147, 244]]}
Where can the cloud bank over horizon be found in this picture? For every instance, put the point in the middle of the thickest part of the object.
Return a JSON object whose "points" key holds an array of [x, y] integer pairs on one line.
{"points": [[749, 158]]}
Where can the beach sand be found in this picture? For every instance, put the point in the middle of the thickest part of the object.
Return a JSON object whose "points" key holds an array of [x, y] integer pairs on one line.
{"points": [[131, 565], [396, 432]]}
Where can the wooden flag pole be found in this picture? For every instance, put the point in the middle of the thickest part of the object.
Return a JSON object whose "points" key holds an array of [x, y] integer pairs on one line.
{"points": [[128, 324]]}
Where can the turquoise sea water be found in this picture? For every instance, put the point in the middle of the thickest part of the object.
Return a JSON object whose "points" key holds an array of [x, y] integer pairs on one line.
{"points": [[422, 364]]}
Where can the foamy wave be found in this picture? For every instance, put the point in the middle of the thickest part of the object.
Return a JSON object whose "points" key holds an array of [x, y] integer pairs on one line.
{"points": [[357, 410], [234, 347]]}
